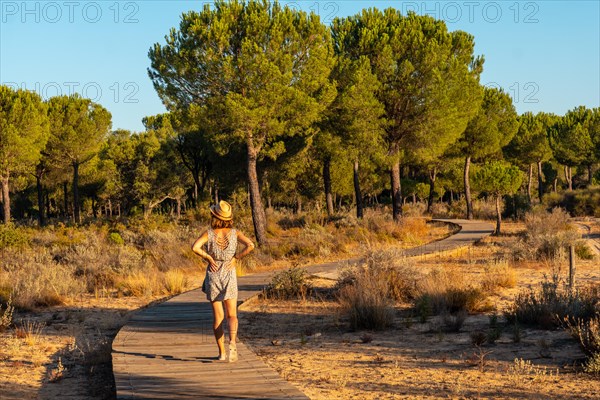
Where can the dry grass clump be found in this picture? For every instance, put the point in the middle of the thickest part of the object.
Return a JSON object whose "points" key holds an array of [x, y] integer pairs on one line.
{"points": [[140, 284], [381, 227], [175, 282], [498, 275], [30, 331], [547, 235], [447, 292]]}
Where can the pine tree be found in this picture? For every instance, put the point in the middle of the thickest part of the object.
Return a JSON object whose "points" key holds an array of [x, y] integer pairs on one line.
{"points": [[492, 128], [261, 68], [23, 134], [429, 79]]}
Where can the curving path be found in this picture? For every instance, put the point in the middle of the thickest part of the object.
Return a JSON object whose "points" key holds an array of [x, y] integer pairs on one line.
{"points": [[165, 351]]}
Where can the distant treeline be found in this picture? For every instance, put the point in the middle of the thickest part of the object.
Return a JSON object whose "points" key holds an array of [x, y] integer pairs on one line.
{"points": [[267, 102]]}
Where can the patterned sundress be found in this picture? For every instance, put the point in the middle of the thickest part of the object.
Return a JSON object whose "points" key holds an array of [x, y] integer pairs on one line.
{"points": [[221, 284]]}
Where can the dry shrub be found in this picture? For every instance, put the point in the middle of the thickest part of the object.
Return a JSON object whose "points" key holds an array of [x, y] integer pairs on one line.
{"points": [[6, 315], [546, 236], [412, 230], [440, 210], [454, 322], [583, 251], [175, 282], [414, 209], [36, 281], [484, 208], [367, 293], [366, 301], [446, 291], [391, 267], [551, 302], [458, 209], [381, 227], [498, 274], [587, 333], [292, 283]]}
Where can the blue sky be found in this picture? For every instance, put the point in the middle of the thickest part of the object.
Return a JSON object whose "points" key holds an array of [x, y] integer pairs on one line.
{"points": [[546, 54]]}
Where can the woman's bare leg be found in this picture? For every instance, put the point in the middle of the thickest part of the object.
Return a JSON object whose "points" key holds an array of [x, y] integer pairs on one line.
{"points": [[218, 316], [232, 320]]}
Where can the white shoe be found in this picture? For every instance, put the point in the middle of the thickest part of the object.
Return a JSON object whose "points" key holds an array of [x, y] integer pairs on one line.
{"points": [[233, 355]]}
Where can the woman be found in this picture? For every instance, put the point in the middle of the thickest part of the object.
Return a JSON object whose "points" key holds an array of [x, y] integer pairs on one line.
{"points": [[220, 283]]}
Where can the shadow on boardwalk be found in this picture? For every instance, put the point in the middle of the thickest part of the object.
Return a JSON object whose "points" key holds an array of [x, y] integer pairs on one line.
{"points": [[168, 352]]}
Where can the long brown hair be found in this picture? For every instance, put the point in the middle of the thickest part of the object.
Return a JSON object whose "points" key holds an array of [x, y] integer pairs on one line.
{"points": [[216, 223]]}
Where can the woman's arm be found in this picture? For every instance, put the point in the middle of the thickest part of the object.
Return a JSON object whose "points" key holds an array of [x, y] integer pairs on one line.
{"points": [[197, 248], [247, 242]]}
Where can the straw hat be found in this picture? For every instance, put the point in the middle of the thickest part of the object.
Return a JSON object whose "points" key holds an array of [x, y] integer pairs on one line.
{"points": [[222, 211]]}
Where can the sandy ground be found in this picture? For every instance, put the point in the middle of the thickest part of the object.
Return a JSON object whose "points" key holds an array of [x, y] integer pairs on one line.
{"points": [[309, 343]]}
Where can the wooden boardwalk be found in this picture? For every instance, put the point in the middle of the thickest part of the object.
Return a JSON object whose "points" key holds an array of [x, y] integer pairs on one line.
{"points": [[168, 351]]}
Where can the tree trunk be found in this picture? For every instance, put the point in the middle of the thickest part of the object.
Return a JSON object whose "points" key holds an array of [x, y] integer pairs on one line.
{"points": [[298, 204], [327, 183], [178, 208], [589, 170], [66, 197], [555, 185], [6, 199], [216, 187], [498, 214], [357, 193], [529, 179], [47, 199], [396, 192], [258, 213], [94, 210], [451, 199], [569, 177], [432, 176], [468, 188], [195, 198], [540, 181], [76, 193], [40, 199]]}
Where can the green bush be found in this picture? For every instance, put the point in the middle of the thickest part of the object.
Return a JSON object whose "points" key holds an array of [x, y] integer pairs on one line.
{"points": [[289, 284], [115, 238], [12, 237], [583, 251], [581, 202], [516, 206]]}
